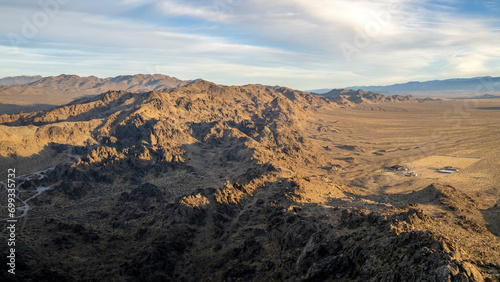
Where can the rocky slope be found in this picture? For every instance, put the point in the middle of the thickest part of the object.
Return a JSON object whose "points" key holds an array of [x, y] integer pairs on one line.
{"points": [[352, 97], [214, 183]]}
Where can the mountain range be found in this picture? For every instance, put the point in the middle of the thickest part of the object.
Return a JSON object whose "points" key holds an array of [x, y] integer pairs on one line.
{"points": [[457, 87], [62, 89], [348, 96], [47, 92], [30, 93]]}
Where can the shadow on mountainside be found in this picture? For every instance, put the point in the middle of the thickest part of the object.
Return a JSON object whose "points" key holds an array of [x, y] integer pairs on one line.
{"points": [[492, 217], [9, 109], [106, 199], [101, 106]]}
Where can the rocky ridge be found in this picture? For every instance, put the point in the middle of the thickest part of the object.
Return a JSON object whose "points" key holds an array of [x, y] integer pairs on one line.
{"points": [[352, 97]]}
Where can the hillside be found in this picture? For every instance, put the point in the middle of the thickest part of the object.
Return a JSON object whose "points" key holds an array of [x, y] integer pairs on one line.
{"points": [[352, 97], [62, 89], [48, 92], [205, 182], [18, 80]]}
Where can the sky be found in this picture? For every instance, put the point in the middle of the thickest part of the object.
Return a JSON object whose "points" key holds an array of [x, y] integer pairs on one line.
{"points": [[302, 44]]}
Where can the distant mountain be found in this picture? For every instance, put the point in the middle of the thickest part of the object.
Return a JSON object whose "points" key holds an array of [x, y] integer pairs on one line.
{"points": [[456, 86], [58, 90], [64, 88], [348, 97], [320, 91], [18, 80]]}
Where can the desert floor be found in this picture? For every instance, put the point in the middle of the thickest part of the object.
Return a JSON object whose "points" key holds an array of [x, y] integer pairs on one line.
{"points": [[422, 137]]}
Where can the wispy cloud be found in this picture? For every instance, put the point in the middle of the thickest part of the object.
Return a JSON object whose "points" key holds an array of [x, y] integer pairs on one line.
{"points": [[248, 41]]}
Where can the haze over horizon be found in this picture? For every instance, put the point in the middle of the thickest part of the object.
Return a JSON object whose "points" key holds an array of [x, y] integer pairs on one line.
{"points": [[299, 44]]}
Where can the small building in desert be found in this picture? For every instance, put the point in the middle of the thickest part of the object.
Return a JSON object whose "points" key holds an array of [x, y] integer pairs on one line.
{"points": [[448, 169]]}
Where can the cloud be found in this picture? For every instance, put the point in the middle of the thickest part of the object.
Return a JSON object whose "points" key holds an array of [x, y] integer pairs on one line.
{"points": [[179, 8], [280, 41]]}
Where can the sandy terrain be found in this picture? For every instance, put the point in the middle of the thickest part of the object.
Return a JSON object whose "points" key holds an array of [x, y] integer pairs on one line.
{"points": [[422, 137]]}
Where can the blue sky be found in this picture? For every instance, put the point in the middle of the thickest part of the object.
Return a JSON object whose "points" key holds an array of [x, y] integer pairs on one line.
{"points": [[303, 44]]}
